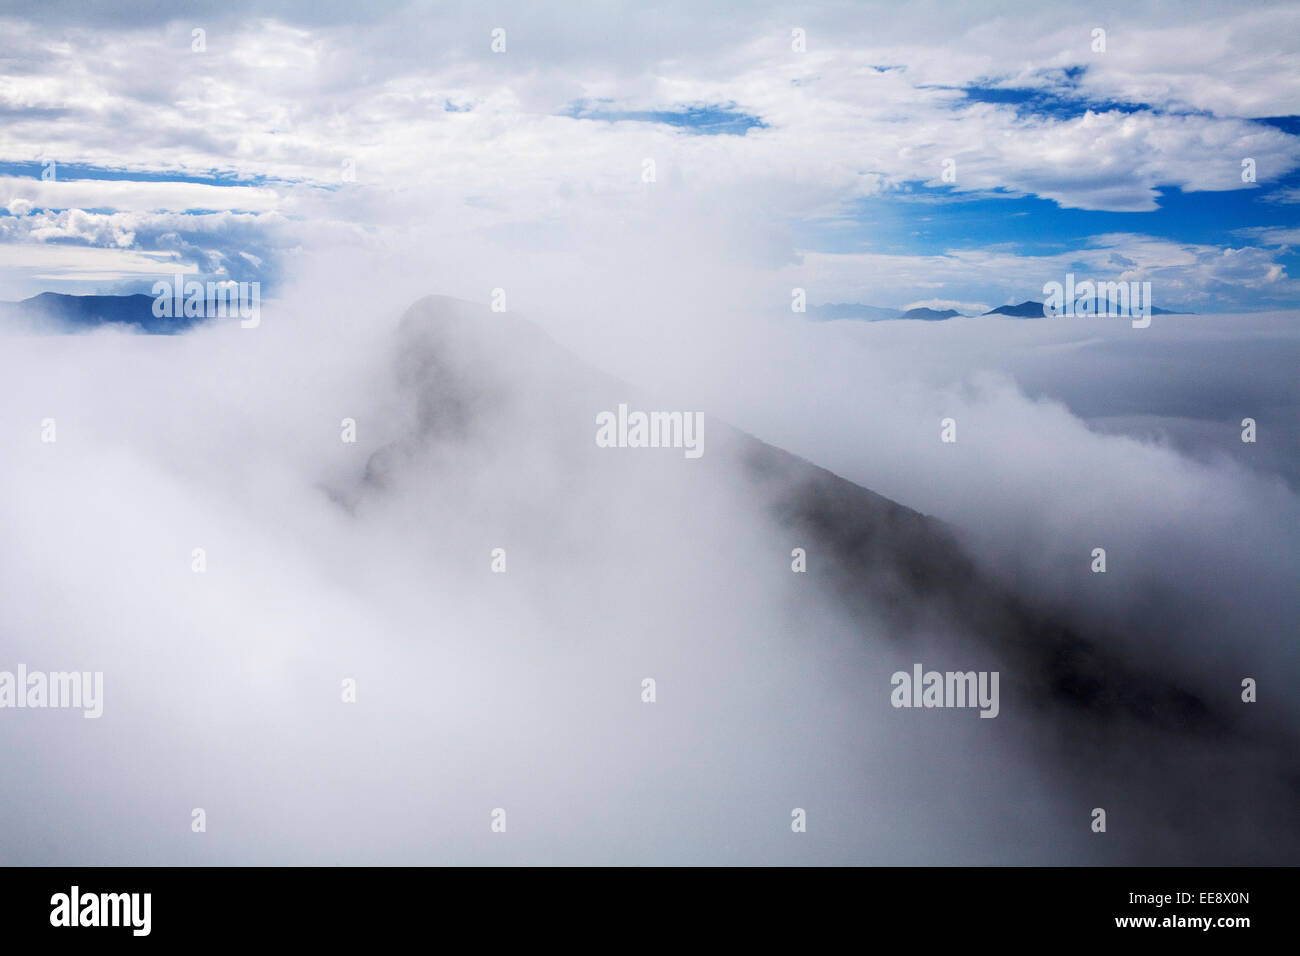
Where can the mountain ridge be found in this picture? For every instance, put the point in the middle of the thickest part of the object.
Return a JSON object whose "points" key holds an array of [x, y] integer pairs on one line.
{"points": [[881, 550], [1029, 309]]}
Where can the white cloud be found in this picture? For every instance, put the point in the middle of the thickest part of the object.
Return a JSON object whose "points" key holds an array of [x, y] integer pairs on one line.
{"points": [[136, 195], [21, 264], [304, 99]]}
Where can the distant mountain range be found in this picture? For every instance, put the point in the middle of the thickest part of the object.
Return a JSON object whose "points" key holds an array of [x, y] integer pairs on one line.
{"points": [[78, 312], [1034, 310], [871, 313]]}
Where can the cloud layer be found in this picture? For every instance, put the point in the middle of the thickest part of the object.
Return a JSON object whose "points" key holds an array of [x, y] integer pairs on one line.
{"points": [[372, 131]]}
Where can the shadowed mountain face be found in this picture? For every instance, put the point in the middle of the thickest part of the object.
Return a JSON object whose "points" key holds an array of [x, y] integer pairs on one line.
{"points": [[643, 559]]}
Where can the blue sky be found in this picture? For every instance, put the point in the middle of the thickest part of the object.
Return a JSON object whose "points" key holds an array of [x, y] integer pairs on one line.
{"points": [[72, 172], [964, 161], [921, 220], [705, 119]]}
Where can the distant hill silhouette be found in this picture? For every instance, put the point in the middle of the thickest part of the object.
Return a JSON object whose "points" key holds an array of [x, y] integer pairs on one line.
{"points": [[1034, 310], [930, 315], [76, 312], [1025, 310]]}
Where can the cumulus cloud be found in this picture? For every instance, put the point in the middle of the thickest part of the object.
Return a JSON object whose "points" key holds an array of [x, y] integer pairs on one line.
{"points": [[135, 196], [303, 98]]}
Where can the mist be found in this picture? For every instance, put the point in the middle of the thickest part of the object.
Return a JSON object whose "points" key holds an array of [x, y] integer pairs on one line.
{"points": [[477, 690]]}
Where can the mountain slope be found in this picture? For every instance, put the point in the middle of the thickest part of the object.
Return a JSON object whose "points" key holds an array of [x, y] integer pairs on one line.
{"points": [[491, 392]]}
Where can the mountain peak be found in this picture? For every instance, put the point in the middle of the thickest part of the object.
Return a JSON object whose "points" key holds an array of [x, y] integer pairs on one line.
{"points": [[1029, 309]]}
